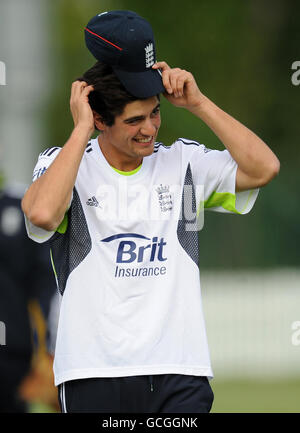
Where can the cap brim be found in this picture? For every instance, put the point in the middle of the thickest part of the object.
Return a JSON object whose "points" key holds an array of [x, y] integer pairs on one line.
{"points": [[141, 84]]}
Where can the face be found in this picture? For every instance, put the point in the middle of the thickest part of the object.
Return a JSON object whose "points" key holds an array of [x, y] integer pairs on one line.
{"points": [[132, 136]]}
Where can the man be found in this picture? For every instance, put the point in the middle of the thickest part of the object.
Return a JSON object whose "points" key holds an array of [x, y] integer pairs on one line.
{"points": [[121, 212], [27, 287]]}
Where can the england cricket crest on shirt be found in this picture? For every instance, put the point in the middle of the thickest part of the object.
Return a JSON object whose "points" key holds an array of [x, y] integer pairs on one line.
{"points": [[164, 198], [149, 53]]}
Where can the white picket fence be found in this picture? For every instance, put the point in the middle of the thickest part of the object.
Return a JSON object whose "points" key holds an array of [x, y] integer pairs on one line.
{"points": [[253, 322]]}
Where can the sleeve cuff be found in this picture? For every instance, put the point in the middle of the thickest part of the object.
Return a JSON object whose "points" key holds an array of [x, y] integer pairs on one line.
{"points": [[37, 234]]}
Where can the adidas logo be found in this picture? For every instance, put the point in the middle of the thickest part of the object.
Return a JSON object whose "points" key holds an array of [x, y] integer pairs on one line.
{"points": [[92, 202]]}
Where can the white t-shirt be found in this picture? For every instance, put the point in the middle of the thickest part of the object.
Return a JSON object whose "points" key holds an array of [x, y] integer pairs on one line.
{"points": [[126, 261]]}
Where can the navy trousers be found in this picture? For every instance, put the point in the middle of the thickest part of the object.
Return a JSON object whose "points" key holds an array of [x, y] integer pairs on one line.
{"points": [[163, 393]]}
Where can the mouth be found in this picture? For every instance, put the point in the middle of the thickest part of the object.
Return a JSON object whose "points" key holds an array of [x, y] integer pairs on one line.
{"points": [[144, 141]]}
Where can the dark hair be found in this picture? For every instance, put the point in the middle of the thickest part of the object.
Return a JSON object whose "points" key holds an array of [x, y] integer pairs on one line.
{"points": [[110, 96]]}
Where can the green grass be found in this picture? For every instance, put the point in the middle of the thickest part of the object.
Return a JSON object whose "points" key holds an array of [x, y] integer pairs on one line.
{"points": [[256, 396]]}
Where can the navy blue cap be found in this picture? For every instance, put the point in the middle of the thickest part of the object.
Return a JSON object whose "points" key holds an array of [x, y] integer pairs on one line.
{"points": [[125, 41]]}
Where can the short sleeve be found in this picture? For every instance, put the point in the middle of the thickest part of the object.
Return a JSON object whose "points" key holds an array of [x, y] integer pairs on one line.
{"points": [[221, 195], [45, 159], [215, 171]]}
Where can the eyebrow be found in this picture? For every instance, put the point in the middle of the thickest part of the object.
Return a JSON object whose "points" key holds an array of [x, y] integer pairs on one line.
{"points": [[135, 118]]}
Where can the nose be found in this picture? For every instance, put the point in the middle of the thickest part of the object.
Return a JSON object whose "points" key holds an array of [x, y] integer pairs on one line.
{"points": [[149, 127]]}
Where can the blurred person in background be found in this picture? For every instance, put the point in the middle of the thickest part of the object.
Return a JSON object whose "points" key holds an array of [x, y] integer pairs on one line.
{"points": [[27, 288]]}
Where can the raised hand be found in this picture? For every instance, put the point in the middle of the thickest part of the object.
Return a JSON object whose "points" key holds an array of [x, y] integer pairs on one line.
{"points": [[80, 107], [181, 87]]}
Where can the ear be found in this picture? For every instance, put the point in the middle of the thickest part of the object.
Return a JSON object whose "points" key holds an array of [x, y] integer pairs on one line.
{"points": [[98, 122]]}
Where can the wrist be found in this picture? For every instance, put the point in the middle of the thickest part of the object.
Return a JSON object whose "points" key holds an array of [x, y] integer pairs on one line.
{"points": [[81, 134], [83, 131], [199, 106]]}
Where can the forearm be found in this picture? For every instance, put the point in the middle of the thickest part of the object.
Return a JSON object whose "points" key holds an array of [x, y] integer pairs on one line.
{"points": [[47, 199], [253, 157]]}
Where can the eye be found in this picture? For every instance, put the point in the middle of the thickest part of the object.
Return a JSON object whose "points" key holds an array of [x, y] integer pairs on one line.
{"points": [[156, 111], [133, 122]]}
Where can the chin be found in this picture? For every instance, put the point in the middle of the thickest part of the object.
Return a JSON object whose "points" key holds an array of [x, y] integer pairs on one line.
{"points": [[145, 151], [148, 152]]}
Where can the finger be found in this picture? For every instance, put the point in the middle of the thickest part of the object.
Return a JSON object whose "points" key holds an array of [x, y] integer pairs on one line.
{"points": [[181, 80], [180, 86], [161, 65], [176, 81], [87, 90], [173, 82], [79, 84], [81, 92], [166, 81], [77, 87], [163, 70]]}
